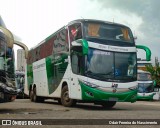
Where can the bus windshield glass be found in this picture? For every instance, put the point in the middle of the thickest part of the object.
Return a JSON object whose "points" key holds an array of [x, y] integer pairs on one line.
{"points": [[2, 47], [145, 87], [144, 77], [106, 65], [108, 32]]}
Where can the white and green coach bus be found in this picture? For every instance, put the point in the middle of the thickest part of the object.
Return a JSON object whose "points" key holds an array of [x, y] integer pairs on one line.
{"points": [[145, 86], [84, 61]]}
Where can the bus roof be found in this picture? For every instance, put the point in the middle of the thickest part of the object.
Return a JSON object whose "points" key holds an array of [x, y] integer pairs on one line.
{"points": [[97, 21], [77, 21]]}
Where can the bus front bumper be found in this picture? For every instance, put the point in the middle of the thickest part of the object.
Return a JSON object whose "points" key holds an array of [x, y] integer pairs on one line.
{"points": [[94, 94], [145, 97], [7, 93]]}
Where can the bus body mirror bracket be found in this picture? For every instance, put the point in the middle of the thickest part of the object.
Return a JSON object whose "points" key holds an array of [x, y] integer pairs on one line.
{"points": [[147, 50], [23, 46], [154, 83], [84, 45], [11, 41]]}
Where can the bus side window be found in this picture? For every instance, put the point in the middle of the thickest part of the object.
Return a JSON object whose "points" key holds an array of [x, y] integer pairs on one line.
{"points": [[75, 32], [9, 52], [75, 67], [93, 30]]}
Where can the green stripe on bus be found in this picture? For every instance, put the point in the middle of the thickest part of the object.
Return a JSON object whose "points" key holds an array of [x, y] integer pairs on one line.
{"points": [[29, 75], [55, 71]]}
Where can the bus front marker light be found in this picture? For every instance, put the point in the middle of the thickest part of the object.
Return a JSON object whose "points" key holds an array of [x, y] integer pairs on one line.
{"points": [[133, 88], [89, 94], [89, 84], [134, 96]]}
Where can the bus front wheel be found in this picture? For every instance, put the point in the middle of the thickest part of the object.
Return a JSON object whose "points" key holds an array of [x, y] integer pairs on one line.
{"points": [[65, 100], [108, 104]]}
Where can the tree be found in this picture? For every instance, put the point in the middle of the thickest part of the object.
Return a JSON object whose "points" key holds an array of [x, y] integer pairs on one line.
{"points": [[155, 71]]}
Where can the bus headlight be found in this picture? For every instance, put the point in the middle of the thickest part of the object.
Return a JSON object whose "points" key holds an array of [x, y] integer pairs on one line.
{"points": [[133, 88], [2, 85], [89, 84]]}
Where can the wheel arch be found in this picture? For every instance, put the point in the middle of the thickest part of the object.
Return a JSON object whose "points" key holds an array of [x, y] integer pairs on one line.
{"points": [[34, 86], [30, 87], [64, 84]]}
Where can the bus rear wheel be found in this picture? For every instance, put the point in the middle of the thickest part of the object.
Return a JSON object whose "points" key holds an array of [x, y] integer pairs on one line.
{"points": [[34, 95], [65, 100], [108, 104], [37, 98], [31, 95]]}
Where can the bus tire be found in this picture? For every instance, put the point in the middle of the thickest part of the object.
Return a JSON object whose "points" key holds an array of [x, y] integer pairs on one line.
{"points": [[65, 100], [59, 101], [34, 95], [40, 99], [108, 104], [37, 98], [31, 94]]}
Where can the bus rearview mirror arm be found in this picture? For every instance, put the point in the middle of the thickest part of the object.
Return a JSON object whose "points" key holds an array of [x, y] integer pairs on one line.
{"points": [[84, 44], [147, 50], [22, 45], [11, 41]]}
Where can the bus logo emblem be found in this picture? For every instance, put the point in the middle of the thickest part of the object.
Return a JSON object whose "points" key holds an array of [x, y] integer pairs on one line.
{"points": [[114, 86]]}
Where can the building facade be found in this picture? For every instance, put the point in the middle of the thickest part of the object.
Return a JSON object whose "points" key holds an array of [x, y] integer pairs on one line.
{"points": [[142, 65], [20, 60]]}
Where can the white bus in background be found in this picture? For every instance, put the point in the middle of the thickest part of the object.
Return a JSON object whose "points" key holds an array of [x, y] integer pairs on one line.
{"points": [[145, 86], [87, 61], [19, 81], [157, 93]]}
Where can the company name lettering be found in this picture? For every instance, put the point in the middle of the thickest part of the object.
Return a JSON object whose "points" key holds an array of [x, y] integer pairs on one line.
{"points": [[38, 66], [117, 49]]}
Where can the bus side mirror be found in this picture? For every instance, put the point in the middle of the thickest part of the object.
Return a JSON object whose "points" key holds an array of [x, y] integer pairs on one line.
{"points": [[83, 43], [154, 83], [135, 37]]}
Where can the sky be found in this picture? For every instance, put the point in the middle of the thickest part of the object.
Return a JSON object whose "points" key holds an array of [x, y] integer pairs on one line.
{"points": [[34, 20]]}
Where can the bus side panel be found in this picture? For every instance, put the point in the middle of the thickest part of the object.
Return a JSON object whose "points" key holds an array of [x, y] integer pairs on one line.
{"points": [[26, 87], [29, 75], [40, 77], [56, 66], [75, 88], [66, 80]]}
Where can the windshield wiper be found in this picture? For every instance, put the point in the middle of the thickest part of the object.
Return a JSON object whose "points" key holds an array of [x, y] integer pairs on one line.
{"points": [[99, 75]]}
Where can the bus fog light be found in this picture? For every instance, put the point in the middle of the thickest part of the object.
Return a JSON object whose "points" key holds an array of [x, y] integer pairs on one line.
{"points": [[134, 96], [89, 94]]}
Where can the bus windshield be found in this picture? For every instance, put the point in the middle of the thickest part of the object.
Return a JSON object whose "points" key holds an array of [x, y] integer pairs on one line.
{"points": [[108, 32], [145, 87], [105, 65], [144, 77], [2, 47]]}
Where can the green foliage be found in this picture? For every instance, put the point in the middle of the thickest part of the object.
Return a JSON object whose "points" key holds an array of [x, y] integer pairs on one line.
{"points": [[155, 72]]}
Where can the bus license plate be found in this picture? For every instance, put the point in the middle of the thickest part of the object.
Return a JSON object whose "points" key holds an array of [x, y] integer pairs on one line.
{"points": [[113, 99]]}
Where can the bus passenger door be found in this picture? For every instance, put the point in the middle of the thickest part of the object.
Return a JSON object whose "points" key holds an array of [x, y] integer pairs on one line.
{"points": [[157, 93], [75, 89]]}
